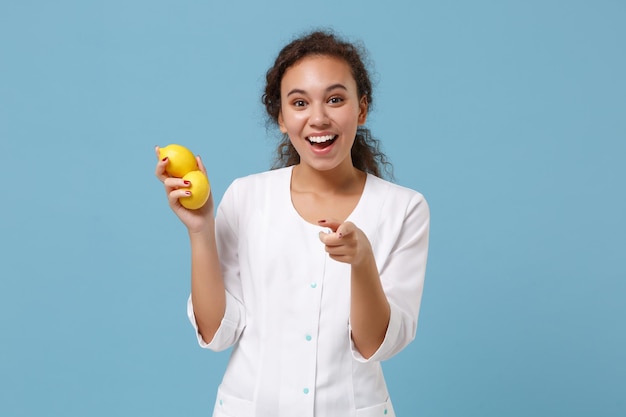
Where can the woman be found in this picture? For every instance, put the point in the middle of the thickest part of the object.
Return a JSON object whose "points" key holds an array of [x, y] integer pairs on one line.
{"points": [[313, 271]]}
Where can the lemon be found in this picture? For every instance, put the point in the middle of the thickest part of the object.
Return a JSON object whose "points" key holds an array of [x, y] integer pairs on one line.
{"points": [[200, 189], [181, 160]]}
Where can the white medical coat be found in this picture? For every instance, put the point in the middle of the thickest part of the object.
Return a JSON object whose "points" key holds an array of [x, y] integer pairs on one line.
{"points": [[288, 304]]}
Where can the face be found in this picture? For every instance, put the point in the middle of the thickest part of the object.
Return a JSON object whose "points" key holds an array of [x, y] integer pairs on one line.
{"points": [[321, 110]]}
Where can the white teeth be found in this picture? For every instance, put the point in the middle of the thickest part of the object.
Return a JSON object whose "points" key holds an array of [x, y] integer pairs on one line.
{"points": [[320, 139]]}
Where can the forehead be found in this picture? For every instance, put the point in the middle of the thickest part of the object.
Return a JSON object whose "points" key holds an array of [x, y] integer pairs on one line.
{"points": [[317, 71]]}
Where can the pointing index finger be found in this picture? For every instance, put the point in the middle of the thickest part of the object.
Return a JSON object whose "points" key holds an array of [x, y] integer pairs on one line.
{"points": [[330, 223]]}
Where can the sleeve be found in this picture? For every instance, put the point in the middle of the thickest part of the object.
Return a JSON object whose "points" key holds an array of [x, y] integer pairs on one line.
{"points": [[234, 320], [402, 275]]}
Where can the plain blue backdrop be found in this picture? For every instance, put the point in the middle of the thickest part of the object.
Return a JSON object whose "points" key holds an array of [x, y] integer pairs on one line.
{"points": [[510, 116]]}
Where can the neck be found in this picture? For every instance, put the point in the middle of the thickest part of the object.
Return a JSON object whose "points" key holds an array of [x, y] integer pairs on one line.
{"points": [[341, 179]]}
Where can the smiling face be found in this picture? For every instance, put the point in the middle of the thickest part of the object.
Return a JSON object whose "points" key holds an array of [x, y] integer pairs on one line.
{"points": [[321, 110]]}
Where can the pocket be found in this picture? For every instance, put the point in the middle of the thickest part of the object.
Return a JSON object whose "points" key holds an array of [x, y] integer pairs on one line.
{"points": [[229, 406], [379, 410]]}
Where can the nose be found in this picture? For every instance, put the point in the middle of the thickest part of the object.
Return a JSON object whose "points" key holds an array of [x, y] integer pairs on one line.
{"points": [[319, 116]]}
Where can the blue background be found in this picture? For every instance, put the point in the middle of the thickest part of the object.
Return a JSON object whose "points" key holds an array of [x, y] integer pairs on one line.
{"points": [[510, 116]]}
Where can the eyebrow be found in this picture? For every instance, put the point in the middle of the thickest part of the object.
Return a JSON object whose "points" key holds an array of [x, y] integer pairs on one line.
{"points": [[330, 88]]}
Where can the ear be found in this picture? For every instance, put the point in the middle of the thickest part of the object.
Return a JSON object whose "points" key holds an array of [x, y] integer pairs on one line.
{"points": [[363, 107], [281, 123]]}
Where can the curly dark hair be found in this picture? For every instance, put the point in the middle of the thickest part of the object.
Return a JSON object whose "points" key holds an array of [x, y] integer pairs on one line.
{"points": [[366, 153]]}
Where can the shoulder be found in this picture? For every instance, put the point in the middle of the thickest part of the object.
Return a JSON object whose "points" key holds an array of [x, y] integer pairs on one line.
{"points": [[255, 188], [394, 194], [254, 199], [261, 179], [394, 207]]}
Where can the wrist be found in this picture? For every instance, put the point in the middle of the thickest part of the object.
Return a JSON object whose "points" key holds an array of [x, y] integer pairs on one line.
{"points": [[206, 231], [366, 266]]}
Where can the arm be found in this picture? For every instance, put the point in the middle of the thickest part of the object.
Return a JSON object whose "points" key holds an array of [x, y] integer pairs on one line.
{"points": [[386, 296], [208, 294], [369, 308], [207, 285]]}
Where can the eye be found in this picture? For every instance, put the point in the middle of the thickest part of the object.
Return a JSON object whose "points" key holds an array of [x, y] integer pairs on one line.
{"points": [[299, 103], [335, 100]]}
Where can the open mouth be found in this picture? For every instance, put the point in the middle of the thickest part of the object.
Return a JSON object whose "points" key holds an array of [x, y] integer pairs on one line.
{"points": [[321, 141]]}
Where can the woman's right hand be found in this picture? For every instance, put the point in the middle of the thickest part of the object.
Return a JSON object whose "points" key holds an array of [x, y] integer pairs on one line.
{"points": [[196, 221]]}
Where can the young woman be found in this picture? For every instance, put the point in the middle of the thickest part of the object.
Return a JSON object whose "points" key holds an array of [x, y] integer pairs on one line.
{"points": [[313, 271]]}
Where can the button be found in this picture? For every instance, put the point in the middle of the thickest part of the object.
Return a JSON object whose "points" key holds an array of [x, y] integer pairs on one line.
{"points": [[313, 284], [308, 338], [385, 412], [306, 390]]}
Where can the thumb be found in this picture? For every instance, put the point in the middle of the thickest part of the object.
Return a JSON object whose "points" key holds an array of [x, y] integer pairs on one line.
{"points": [[201, 165], [345, 229]]}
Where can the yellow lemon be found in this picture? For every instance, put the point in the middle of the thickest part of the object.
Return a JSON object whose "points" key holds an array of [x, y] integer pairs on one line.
{"points": [[181, 160], [200, 189]]}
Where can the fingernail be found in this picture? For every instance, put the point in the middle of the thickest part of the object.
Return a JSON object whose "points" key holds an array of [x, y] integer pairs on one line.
{"points": [[188, 192], [340, 235], [321, 221], [187, 182], [164, 159]]}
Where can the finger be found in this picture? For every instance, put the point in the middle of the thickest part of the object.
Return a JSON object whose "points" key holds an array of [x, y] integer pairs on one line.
{"points": [[340, 253], [332, 224], [160, 170], [172, 183], [201, 165], [156, 151], [327, 238], [175, 195], [338, 250], [345, 229], [332, 239], [340, 258]]}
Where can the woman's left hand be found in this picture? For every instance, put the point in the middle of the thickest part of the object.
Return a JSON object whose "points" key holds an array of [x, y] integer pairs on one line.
{"points": [[369, 309], [347, 243]]}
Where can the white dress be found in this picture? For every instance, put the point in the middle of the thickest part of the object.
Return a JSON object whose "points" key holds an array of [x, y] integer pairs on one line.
{"points": [[288, 303]]}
